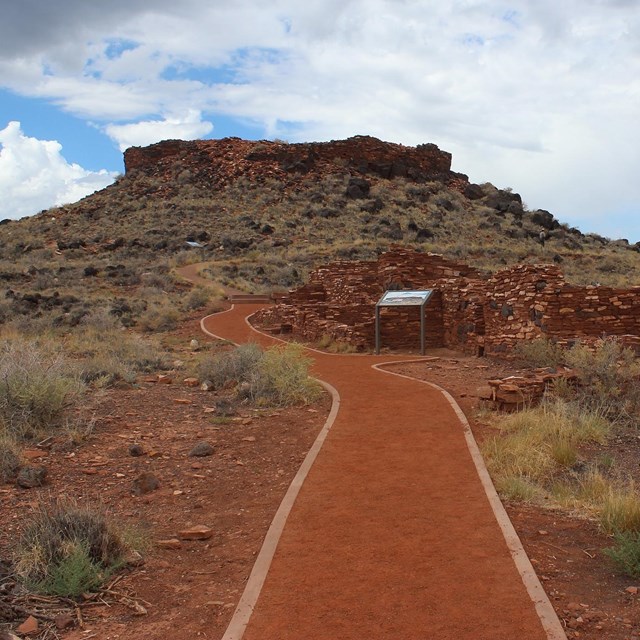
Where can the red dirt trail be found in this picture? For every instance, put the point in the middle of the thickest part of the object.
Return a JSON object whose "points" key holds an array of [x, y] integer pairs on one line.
{"points": [[392, 535]]}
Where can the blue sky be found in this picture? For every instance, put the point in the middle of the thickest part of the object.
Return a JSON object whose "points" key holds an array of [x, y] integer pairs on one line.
{"points": [[535, 95]]}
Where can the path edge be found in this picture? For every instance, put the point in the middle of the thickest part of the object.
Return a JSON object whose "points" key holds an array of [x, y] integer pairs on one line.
{"points": [[547, 614], [244, 610]]}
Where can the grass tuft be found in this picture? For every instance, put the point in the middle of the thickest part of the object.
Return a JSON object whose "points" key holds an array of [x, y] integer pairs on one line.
{"points": [[541, 352], [68, 549], [620, 509], [38, 391], [625, 552], [278, 376], [281, 378]]}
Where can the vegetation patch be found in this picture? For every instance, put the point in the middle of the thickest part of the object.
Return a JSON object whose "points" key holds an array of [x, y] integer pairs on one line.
{"points": [[625, 552], [68, 549], [278, 376], [536, 457], [38, 390], [541, 352]]}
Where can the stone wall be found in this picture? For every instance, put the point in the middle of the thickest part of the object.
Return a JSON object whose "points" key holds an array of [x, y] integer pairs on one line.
{"points": [[339, 302], [589, 311], [516, 303], [467, 311], [222, 161]]}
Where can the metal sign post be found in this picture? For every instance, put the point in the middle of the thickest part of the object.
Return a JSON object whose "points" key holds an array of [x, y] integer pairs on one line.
{"points": [[404, 299]]}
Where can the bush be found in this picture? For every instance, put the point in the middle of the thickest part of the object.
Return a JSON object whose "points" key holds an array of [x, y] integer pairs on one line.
{"points": [[281, 378], [230, 367], [541, 352], [626, 552], [278, 376], [197, 298], [37, 390], [159, 317], [68, 550], [608, 380]]}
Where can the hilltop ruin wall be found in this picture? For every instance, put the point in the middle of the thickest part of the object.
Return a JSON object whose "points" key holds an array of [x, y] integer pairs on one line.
{"points": [[468, 311], [220, 162]]}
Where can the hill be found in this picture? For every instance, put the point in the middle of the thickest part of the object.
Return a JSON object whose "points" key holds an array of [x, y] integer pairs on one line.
{"points": [[264, 213]]}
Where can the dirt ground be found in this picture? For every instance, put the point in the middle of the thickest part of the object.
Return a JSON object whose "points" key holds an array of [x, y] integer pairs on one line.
{"points": [[191, 590], [590, 599]]}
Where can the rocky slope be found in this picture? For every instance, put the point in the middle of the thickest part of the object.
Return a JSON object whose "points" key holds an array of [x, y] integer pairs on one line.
{"points": [[263, 213]]}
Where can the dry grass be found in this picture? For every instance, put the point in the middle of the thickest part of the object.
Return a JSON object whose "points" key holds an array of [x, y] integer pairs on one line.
{"points": [[39, 391], [68, 549], [281, 378], [541, 352], [278, 376], [608, 380], [536, 459]]}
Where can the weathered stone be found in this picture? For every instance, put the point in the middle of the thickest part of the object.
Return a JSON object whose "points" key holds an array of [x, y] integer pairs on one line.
{"points": [[29, 627], [136, 450], [485, 393], [201, 450], [170, 543], [34, 454], [198, 532], [134, 559], [145, 483], [31, 476], [64, 621]]}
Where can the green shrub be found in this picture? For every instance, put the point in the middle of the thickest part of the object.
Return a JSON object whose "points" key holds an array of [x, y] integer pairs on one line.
{"points": [[626, 552], [160, 316], [281, 378], [37, 390], [541, 352], [230, 367], [73, 575], [68, 549], [197, 298], [608, 380]]}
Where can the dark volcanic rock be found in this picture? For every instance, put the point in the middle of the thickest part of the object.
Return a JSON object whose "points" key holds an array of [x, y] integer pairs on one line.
{"points": [[544, 219], [31, 476], [358, 188]]}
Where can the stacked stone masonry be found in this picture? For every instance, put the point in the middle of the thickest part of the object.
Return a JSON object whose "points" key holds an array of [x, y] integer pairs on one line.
{"points": [[468, 311]]}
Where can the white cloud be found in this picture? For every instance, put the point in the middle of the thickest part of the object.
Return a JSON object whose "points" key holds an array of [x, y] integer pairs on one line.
{"points": [[542, 93], [34, 175], [189, 126]]}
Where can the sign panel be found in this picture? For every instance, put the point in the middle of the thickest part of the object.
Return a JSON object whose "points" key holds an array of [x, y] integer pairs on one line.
{"points": [[404, 298]]}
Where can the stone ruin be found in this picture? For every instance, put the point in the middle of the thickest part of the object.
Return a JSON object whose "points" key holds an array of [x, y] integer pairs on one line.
{"points": [[468, 311]]}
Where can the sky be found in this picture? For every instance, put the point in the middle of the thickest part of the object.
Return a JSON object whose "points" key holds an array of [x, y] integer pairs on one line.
{"points": [[540, 96]]}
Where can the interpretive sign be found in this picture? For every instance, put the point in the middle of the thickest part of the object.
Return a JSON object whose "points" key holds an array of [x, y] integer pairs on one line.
{"points": [[403, 299]]}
